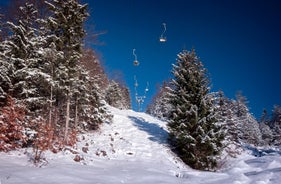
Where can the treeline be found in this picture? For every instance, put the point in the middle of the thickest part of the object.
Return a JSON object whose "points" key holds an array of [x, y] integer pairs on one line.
{"points": [[51, 86], [202, 124]]}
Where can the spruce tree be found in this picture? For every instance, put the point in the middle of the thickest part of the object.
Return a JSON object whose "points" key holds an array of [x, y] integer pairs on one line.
{"points": [[118, 95], [113, 95], [66, 23], [227, 117], [160, 106], [20, 51], [126, 99], [194, 129], [275, 124], [5, 81], [266, 133], [91, 96], [28, 69], [248, 127]]}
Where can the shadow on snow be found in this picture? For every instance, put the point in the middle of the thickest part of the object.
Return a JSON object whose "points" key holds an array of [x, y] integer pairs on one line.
{"points": [[156, 132]]}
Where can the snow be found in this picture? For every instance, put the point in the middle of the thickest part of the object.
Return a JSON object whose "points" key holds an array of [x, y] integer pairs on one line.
{"points": [[131, 149]]}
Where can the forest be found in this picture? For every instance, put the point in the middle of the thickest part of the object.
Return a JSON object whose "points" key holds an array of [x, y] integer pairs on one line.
{"points": [[52, 88]]}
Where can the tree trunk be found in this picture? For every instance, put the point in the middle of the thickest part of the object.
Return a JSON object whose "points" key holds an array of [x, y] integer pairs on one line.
{"points": [[51, 107], [67, 119], [76, 115]]}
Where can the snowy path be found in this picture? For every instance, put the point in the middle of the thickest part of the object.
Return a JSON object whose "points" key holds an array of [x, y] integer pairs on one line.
{"points": [[136, 136], [132, 149]]}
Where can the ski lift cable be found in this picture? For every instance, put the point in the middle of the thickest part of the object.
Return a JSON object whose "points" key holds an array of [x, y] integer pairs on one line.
{"points": [[136, 58], [165, 28], [136, 82], [136, 85], [146, 88]]}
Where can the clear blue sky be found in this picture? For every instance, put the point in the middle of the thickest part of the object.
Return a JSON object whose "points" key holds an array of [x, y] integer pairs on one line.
{"points": [[238, 41]]}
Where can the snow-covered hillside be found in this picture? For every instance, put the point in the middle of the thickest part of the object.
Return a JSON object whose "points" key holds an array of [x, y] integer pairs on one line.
{"points": [[131, 149]]}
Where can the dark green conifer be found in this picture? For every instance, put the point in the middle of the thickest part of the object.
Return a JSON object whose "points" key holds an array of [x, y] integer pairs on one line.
{"points": [[194, 129]]}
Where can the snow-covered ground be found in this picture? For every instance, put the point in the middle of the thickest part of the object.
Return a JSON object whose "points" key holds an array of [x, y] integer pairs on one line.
{"points": [[131, 149]]}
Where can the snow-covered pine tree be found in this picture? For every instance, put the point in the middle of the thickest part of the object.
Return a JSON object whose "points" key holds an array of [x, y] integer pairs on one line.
{"points": [[194, 130], [5, 81], [228, 118], [91, 108], [92, 105], [96, 72], [113, 95], [126, 98], [66, 22], [267, 135], [1, 27], [275, 125], [248, 127], [28, 70], [160, 106], [117, 95], [265, 130], [19, 49]]}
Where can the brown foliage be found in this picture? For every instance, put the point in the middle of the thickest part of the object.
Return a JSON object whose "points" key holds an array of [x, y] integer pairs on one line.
{"points": [[43, 140], [47, 138], [11, 126]]}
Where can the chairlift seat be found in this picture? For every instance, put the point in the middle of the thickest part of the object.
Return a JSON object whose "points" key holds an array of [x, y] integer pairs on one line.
{"points": [[162, 39], [136, 63]]}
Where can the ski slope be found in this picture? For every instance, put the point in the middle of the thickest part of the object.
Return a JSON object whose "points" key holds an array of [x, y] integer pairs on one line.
{"points": [[131, 149]]}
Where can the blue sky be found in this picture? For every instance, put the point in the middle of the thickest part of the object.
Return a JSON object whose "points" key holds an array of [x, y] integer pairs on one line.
{"points": [[238, 41]]}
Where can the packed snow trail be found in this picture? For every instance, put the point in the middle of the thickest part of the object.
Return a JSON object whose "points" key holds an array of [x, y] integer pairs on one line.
{"points": [[132, 149], [132, 136]]}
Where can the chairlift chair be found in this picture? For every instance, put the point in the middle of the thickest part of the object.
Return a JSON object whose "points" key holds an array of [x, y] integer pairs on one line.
{"points": [[162, 38], [136, 62]]}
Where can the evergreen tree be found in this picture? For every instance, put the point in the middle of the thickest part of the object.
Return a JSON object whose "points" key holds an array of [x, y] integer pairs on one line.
{"points": [[275, 125], [160, 106], [266, 134], [66, 23], [126, 98], [96, 72], [227, 117], [117, 95], [248, 127], [28, 69], [5, 81], [1, 28], [265, 130], [113, 95], [91, 105], [194, 128], [88, 103], [20, 50]]}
